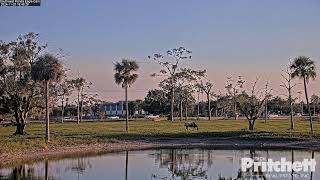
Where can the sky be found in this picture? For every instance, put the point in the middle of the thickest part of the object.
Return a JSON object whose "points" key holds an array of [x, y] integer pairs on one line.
{"points": [[227, 37]]}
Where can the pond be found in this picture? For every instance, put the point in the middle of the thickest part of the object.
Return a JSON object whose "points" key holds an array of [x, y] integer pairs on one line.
{"points": [[164, 164]]}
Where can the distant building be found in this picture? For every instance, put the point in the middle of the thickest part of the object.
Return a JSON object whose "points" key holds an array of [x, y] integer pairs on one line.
{"points": [[115, 109]]}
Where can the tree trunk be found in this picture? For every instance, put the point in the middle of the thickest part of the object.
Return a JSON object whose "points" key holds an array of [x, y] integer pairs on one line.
{"points": [[47, 112], [127, 108], [291, 113], [209, 106], [291, 106], [46, 174], [16, 173], [234, 105], [81, 108], [251, 125], [20, 122], [311, 172], [266, 110], [181, 108], [62, 110], [198, 107], [127, 162], [20, 129], [78, 108], [307, 99], [186, 111], [172, 100], [292, 161]]}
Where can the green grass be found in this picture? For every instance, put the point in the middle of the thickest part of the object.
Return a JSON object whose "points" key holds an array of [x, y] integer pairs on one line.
{"points": [[101, 132]]}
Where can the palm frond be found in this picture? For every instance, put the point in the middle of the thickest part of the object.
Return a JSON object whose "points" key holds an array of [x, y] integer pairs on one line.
{"points": [[47, 68], [303, 67], [124, 72]]}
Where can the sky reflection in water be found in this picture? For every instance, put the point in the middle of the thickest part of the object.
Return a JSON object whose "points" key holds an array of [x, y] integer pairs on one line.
{"points": [[159, 164]]}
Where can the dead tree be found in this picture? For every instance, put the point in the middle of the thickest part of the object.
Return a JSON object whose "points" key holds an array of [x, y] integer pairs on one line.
{"points": [[233, 89], [288, 85], [251, 105]]}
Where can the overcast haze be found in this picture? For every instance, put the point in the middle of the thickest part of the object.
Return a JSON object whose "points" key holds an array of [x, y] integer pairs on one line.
{"points": [[244, 37]]}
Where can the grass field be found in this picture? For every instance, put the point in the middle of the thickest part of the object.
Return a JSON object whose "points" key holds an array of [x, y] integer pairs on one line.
{"points": [[97, 132]]}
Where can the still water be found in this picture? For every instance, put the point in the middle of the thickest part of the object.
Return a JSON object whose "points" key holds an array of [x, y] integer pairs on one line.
{"points": [[164, 164]]}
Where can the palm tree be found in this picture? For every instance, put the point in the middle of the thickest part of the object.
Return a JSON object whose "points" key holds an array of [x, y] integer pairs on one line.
{"points": [[47, 69], [124, 75], [304, 68]]}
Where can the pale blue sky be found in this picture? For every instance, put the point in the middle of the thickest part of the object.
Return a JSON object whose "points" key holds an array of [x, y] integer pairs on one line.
{"points": [[220, 32]]}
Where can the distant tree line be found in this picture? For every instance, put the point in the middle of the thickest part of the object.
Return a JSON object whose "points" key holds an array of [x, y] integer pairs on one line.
{"points": [[33, 83]]}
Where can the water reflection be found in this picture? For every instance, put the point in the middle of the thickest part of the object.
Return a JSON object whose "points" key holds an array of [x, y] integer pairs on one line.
{"points": [[166, 164], [22, 172], [79, 166], [180, 164], [127, 161]]}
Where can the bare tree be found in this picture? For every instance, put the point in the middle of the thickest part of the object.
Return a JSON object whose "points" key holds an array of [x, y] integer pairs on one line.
{"points": [[88, 101], [205, 86], [171, 67], [62, 90], [267, 96], [251, 105], [80, 84], [288, 85], [233, 88]]}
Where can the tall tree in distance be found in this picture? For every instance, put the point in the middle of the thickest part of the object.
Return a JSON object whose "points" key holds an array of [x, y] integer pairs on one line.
{"points": [[124, 75], [47, 69], [80, 83], [288, 85], [62, 91], [185, 81], [205, 86], [170, 66], [304, 68], [233, 88]]}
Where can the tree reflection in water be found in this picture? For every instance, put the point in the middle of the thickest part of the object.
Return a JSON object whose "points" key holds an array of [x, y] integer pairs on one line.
{"points": [[22, 172], [184, 165], [169, 164], [250, 173], [80, 166], [181, 164]]}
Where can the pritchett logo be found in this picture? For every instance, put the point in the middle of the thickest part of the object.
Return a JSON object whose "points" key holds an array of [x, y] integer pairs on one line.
{"points": [[307, 165]]}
